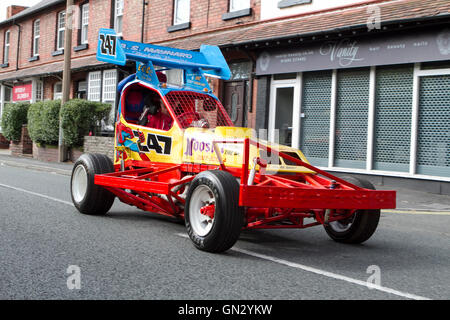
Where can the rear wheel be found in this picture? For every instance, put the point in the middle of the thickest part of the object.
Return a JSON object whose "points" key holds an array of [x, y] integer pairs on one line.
{"points": [[360, 226], [87, 197], [213, 217]]}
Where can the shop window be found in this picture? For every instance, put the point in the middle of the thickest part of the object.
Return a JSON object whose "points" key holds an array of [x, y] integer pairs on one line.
{"points": [[352, 113], [435, 65], [393, 107], [109, 96], [283, 114], [8, 94], [57, 91], [241, 70], [82, 89], [315, 125], [109, 86], [433, 145], [94, 85], [285, 76], [39, 90], [61, 29], [36, 37]]}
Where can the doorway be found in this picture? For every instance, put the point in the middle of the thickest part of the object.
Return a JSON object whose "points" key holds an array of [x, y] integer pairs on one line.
{"points": [[284, 118]]}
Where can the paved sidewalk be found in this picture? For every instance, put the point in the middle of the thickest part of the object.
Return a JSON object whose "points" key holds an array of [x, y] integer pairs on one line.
{"points": [[29, 163], [410, 200]]}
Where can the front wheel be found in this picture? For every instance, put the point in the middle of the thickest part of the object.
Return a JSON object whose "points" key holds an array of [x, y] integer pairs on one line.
{"points": [[88, 197], [360, 226], [213, 217]]}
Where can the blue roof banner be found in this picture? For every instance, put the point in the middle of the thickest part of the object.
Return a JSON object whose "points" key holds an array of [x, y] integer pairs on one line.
{"points": [[209, 61]]}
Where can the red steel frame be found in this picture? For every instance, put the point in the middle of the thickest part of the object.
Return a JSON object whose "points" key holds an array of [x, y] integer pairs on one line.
{"points": [[270, 201]]}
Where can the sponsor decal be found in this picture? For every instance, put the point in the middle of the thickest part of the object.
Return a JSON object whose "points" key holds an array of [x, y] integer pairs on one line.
{"points": [[194, 145]]}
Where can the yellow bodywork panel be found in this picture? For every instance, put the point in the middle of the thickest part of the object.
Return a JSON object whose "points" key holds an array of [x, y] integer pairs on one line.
{"points": [[196, 146]]}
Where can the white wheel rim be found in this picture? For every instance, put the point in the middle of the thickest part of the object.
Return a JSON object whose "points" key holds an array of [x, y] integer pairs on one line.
{"points": [[201, 197], [79, 183]]}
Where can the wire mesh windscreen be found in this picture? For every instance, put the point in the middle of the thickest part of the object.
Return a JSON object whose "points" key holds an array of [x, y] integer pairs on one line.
{"points": [[193, 109]]}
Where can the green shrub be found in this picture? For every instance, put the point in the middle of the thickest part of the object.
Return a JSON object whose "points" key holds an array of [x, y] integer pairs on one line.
{"points": [[43, 122], [13, 118], [35, 126], [79, 117]]}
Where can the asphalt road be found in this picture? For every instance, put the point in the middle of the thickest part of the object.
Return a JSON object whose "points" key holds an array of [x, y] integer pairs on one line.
{"points": [[130, 254]]}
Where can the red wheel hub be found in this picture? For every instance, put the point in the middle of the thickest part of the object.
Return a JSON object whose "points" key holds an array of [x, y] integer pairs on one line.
{"points": [[208, 210]]}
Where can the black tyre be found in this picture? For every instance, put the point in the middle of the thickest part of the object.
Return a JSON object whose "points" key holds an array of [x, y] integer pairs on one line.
{"points": [[87, 197], [217, 191], [358, 228]]}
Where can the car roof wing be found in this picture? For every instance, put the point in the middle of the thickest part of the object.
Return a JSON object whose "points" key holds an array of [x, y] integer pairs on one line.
{"points": [[209, 61]]}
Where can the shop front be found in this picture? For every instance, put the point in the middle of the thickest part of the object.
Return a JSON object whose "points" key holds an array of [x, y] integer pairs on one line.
{"points": [[377, 105]]}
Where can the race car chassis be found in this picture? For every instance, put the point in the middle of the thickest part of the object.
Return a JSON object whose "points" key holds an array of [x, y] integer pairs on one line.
{"points": [[270, 200]]}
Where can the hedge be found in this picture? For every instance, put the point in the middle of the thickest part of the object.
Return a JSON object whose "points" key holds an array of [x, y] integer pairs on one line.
{"points": [[13, 118], [43, 122], [79, 117]]}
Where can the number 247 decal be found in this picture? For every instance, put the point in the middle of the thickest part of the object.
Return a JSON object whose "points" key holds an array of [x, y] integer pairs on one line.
{"points": [[160, 144], [108, 44]]}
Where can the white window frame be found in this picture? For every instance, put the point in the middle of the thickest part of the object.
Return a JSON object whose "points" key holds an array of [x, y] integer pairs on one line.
{"points": [[36, 37], [109, 85], [61, 30], [118, 16], [39, 95], [3, 100], [57, 94], [177, 19], [7, 42], [236, 5], [94, 86], [85, 23], [2, 94], [38, 90], [296, 84]]}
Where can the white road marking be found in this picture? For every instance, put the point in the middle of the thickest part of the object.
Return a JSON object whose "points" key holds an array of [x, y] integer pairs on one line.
{"points": [[323, 273], [418, 212], [36, 194]]}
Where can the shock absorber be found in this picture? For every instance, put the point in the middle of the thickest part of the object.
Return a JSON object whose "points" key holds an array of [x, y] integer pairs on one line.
{"points": [[256, 161]]}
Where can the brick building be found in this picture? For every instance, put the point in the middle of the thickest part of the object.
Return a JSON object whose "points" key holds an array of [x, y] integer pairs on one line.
{"points": [[360, 86], [32, 55]]}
